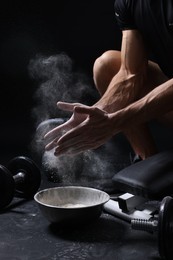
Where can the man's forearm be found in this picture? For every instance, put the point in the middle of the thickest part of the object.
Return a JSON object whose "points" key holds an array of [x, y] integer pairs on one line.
{"points": [[123, 90], [127, 84], [155, 104]]}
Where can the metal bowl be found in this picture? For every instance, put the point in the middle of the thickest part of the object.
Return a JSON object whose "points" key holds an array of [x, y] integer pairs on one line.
{"points": [[71, 204]]}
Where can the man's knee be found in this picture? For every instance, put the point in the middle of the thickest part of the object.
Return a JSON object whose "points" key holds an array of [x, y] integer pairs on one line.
{"points": [[105, 67], [109, 60]]}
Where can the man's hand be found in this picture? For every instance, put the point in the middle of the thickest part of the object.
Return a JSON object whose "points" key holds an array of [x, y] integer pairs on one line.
{"points": [[88, 128], [52, 136]]}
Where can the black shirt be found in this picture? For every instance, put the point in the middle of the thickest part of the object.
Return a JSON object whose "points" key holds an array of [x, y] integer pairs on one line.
{"points": [[154, 19]]}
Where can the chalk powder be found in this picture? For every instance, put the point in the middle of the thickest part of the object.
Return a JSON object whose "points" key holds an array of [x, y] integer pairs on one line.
{"points": [[61, 82]]}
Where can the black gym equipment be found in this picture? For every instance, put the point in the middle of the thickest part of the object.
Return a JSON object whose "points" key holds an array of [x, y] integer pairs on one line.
{"points": [[145, 184], [165, 228], [163, 224], [20, 178], [146, 216]]}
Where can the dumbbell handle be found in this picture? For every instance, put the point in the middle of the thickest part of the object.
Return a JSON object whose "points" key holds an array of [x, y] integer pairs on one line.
{"points": [[26, 176], [19, 177], [145, 225]]}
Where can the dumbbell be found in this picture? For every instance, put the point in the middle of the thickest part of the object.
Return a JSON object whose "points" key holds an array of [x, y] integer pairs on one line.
{"points": [[163, 224], [21, 178]]}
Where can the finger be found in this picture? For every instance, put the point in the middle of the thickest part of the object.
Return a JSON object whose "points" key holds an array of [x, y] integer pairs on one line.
{"points": [[51, 145], [54, 133], [87, 110], [73, 135], [67, 106], [69, 139], [76, 148], [58, 131]]}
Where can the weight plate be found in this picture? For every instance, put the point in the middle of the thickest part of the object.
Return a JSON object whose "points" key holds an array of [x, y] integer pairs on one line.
{"points": [[165, 229], [6, 187], [29, 184]]}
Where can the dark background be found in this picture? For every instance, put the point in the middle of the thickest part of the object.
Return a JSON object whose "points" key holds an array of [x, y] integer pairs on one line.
{"points": [[82, 29]]}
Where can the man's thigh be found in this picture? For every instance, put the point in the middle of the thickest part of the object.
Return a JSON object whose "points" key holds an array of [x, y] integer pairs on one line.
{"points": [[155, 77]]}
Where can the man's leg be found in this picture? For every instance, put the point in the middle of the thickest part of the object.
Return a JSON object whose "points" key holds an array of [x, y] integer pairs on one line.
{"points": [[104, 70]]}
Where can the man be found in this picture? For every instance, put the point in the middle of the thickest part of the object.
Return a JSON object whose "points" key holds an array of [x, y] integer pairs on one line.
{"points": [[133, 88]]}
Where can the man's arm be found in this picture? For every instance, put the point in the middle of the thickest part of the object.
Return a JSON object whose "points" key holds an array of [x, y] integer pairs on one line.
{"points": [[155, 104], [127, 84], [97, 128]]}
